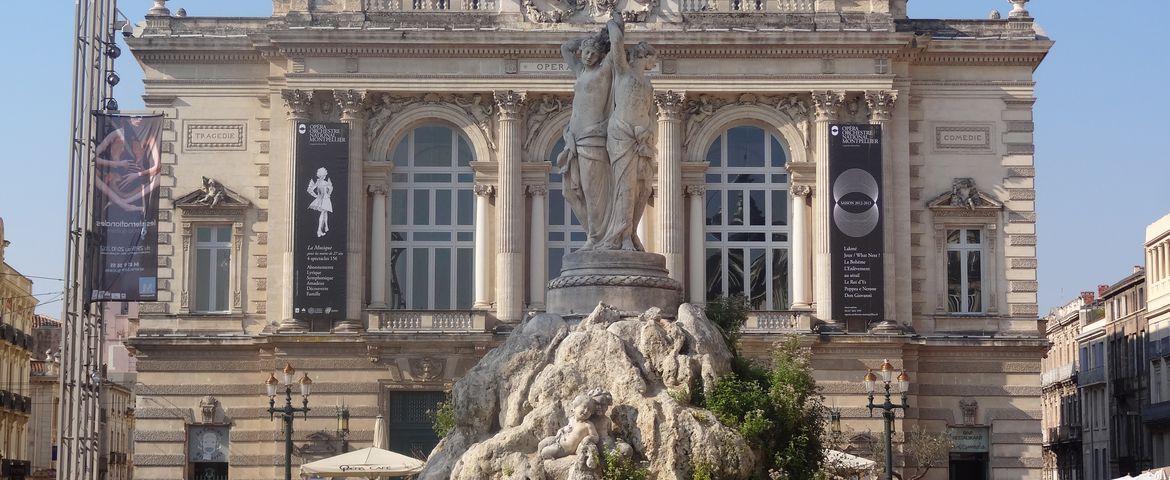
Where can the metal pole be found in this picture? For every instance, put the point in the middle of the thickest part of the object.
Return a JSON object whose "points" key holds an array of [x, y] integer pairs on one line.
{"points": [[288, 431], [888, 415]]}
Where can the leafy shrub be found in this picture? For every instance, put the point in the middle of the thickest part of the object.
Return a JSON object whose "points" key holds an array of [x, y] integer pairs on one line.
{"points": [[443, 416], [621, 467]]}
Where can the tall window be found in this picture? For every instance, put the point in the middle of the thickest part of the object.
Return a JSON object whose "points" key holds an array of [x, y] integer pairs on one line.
{"points": [[213, 247], [433, 220], [565, 234], [747, 218], [965, 270]]}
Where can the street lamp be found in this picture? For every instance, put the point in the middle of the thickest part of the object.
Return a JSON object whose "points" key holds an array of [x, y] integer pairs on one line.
{"points": [[288, 411], [901, 384], [343, 427]]}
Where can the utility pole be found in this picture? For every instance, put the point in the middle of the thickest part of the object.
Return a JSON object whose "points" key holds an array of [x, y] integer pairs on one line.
{"points": [[94, 50]]}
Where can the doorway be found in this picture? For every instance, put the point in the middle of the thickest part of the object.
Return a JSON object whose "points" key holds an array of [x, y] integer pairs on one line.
{"points": [[968, 466]]}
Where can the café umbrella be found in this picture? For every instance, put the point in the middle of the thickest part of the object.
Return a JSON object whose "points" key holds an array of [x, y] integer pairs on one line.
{"points": [[368, 462]]}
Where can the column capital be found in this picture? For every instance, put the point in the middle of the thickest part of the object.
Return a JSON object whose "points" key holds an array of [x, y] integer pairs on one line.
{"points": [[351, 103], [801, 190], [510, 103], [377, 189], [297, 102], [827, 103], [881, 104], [695, 190], [484, 189], [670, 105], [537, 190]]}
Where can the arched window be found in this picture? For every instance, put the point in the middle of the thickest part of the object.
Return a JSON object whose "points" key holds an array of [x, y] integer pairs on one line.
{"points": [[747, 218], [432, 220], [565, 233]]}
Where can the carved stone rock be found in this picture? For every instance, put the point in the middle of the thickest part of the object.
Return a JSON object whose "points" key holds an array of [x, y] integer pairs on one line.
{"points": [[524, 391]]}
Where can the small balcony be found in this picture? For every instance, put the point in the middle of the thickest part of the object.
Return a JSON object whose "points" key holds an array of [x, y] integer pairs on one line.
{"points": [[1063, 434], [1091, 376], [428, 321], [1058, 374], [1156, 414], [777, 321]]}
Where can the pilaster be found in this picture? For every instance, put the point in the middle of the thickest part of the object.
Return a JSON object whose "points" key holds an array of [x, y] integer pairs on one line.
{"points": [[827, 104], [297, 104]]}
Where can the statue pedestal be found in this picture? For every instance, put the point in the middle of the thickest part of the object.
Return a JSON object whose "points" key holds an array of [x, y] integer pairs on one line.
{"points": [[631, 282]]}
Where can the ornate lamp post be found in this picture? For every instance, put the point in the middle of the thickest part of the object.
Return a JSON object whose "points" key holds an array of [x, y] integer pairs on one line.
{"points": [[288, 411], [343, 427], [891, 385]]}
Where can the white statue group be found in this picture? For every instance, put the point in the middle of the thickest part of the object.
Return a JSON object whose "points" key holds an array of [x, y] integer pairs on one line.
{"points": [[588, 431], [608, 161]]}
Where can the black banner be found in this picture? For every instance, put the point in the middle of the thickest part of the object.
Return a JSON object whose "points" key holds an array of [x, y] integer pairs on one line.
{"points": [[855, 238], [123, 243], [320, 192]]}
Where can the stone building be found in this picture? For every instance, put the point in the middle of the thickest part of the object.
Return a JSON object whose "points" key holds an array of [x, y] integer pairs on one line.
{"points": [[1127, 374], [16, 324], [1157, 414], [45, 388], [1059, 395], [456, 219]]}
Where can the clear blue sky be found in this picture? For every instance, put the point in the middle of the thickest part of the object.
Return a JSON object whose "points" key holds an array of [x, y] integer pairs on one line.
{"points": [[1101, 155]]}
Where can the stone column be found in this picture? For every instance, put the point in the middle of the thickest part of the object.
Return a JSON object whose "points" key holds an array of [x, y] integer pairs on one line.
{"points": [[827, 104], [696, 289], [483, 281], [297, 103], [350, 102], [538, 251], [801, 255], [510, 210], [669, 203], [378, 244], [881, 104]]}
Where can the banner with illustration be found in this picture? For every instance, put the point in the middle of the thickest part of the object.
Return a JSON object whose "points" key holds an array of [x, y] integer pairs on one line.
{"points": [[320, 193], [855, 238], [123, 241]]}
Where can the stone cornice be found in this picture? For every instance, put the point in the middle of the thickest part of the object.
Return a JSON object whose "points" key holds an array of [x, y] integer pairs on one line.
{"points": [[163, 57]]}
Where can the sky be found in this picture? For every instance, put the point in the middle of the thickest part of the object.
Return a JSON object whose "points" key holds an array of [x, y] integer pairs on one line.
{"points": [[1101, 158]]}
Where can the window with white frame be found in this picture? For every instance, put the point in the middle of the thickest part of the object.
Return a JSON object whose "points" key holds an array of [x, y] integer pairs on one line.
{"points": [[565, 234], [965, 270], [746, 232], [432, 220], [213, 247]]}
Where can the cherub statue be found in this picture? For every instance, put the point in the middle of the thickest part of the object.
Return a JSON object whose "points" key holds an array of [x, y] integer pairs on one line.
{"points": [[569, 438]]}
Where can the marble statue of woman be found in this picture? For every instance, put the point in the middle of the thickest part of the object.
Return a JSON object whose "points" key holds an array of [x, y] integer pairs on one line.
{"points": [[630, 141]]}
